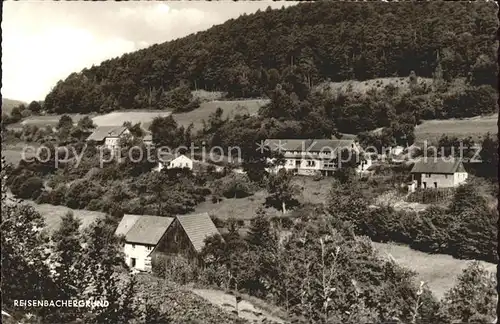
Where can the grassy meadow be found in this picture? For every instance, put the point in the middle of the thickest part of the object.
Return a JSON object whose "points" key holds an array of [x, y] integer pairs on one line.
{"points": [[476, 127], [245, 208], [52, 215], [230, 108], [439, 271], [117, 118]]}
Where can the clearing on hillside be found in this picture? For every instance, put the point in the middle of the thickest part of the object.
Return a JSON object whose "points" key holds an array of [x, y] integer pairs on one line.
{"points": [[476, 127], [117, 118], [439, 271], [311, 191], [8, 104], [52, 215], [402, 83], [230, 108], [47, 120]]}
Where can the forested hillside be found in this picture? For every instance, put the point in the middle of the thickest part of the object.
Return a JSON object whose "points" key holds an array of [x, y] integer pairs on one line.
{"points": [[304, 44]]}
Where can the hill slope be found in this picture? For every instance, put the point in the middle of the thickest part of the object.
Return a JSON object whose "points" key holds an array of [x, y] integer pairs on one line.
{"points": [[8, 104], [308, 43]]}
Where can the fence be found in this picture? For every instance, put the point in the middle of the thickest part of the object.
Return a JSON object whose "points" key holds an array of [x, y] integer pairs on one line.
{"points": [[431, 196]]}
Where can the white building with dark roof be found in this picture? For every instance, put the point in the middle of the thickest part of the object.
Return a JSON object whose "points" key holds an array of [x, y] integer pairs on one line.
{"points": [[147, 237], [310, 156], [108, 136], [438, 173], [142, 233]]}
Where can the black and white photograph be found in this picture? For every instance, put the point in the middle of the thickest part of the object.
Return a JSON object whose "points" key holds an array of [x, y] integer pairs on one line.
{"points": [[241, 162]]}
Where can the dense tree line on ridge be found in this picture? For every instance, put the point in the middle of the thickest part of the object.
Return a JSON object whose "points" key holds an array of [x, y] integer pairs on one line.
{"points": [[315, 42]]}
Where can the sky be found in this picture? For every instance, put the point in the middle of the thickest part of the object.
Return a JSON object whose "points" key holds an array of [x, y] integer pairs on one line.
{"points": [[45, 41]]}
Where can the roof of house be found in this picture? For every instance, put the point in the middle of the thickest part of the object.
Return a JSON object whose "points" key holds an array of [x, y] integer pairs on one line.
{"points": [[143, 229], [310, 145], [438, 165], [198, 227], [126, 224], [182, 156], [101, 132]]}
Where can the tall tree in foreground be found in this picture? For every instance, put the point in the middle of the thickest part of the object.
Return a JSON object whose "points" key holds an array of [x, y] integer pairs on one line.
{"points": [[282, 191], [473, 299]]}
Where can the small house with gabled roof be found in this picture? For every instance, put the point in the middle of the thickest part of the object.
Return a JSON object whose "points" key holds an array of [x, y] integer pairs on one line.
{"points": [[186, 236], [438, 172], [108, 136], [142, 234]]}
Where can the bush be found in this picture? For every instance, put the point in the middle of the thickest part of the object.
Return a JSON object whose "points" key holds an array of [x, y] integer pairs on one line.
{"points": [[432, 230], [175, 268], [233, 186], [58, 195], [81, 192], [27, 187]]}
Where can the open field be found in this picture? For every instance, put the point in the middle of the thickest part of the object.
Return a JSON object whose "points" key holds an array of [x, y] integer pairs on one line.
{"points": [[431, 130], [230, 108], [52, 215], [245, 208], [49, 120], [13, 152], [117, 118], [241, 208], [439, 271]]}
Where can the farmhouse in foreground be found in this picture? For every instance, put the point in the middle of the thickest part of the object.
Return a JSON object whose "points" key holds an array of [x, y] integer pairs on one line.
{"points": [[186, 236], [148, 237], [108, 136], [142, 233], [310, 156], [437, 173]]}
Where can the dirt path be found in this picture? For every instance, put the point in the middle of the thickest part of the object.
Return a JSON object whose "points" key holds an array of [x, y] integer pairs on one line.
{"points": [[227, 302]]}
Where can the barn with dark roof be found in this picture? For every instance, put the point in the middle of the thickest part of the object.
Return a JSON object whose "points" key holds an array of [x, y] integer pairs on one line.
{"points": [[186, 236], [141, 234], [147, 237]]}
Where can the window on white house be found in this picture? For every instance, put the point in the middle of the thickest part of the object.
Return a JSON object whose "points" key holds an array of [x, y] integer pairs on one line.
{"points": [[446, 176], [150, 247], [133, 246], [311, 163], [428, 175]]}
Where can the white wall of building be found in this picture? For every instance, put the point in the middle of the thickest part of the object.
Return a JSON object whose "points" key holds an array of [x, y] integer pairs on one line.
{"points": [[181, 161], [459, 178], [442, 180], [140, 253], [113, 141]]}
